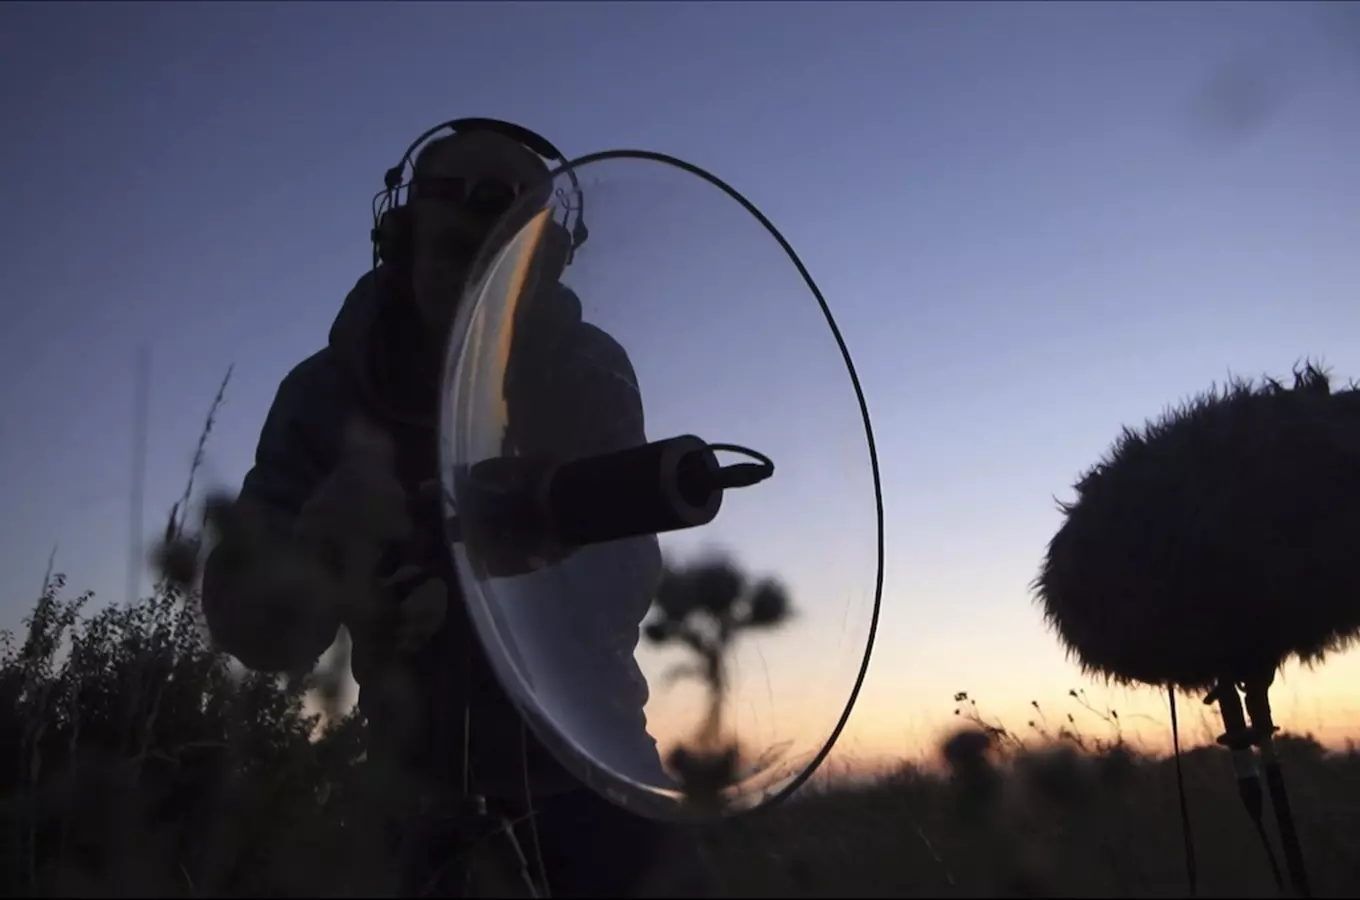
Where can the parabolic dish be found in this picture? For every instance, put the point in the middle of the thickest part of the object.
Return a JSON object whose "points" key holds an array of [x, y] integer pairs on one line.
{"points": [[683, 313]]}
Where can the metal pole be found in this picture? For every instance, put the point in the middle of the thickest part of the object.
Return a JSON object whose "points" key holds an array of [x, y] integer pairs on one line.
{"points": [[140, 414]]}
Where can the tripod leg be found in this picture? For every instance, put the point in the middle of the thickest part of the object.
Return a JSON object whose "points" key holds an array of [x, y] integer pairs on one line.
{"points": [[1258, 705], [1289, 836], [1238, 738]]}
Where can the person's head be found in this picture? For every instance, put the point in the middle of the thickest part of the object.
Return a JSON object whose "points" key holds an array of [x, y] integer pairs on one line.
{"points": [[460, 186]]}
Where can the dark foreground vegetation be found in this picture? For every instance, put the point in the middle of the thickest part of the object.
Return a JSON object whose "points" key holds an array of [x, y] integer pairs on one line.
{"points": [[133, 760]]}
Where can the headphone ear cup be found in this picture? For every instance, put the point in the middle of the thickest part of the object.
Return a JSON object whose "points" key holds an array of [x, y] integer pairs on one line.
{"points": [[557, 247], [393, 237]]}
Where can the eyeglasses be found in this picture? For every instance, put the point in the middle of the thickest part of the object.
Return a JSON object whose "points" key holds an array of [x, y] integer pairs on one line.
{"points": [[485, 198]]}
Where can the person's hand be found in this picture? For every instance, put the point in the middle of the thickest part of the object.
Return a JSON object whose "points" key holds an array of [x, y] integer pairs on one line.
{"points": [[339, 536], [359, 510], [266, 603], [279, 589], [400, 616]]}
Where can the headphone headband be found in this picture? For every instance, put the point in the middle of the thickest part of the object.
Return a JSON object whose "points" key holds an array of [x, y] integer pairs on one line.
{"points": [[518, 133]]}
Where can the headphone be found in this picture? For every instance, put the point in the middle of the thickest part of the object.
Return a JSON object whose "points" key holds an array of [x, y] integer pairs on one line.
{"points": [[392, 227]]}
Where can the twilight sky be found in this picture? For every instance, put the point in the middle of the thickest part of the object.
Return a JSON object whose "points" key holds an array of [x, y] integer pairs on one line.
{"points": [[1034, 224]]}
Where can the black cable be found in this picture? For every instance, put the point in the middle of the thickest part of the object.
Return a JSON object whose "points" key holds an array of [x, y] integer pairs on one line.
{"points": [[1191, 869], [742, 474], [530, 814]]}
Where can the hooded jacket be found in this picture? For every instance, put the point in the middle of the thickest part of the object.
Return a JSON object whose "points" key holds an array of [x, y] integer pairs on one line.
{"points": [[367, 368]]}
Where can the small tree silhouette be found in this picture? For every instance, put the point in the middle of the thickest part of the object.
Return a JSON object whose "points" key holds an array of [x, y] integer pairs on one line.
{"points": [[705, 607]]}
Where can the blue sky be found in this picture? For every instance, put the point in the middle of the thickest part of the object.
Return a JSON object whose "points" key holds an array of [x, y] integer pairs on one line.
{"points": [[1034, 224]]}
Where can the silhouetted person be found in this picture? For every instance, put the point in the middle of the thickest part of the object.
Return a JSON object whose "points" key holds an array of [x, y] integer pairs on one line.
{"points": [[338, 503]]}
